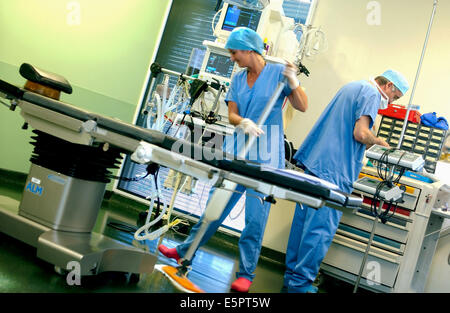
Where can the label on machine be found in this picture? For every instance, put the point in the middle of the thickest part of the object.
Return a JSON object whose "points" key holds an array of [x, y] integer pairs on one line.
{"points": [[370, 186], [403, 158]]}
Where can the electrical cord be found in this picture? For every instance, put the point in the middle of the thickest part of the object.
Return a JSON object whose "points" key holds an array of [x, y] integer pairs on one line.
{"points": [[386, 181], [151, 168], [386, 215]]}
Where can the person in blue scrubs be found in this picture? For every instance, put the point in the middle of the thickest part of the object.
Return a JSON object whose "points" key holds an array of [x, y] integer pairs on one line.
{"points": [[333, 151], [250, 90]]}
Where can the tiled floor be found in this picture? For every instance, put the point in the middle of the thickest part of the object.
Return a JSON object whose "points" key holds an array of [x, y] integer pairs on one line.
{"points": [[212, 270]]}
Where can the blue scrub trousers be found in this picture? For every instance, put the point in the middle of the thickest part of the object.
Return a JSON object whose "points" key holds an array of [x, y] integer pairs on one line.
{"points": [[312, 232], [256, 214]]}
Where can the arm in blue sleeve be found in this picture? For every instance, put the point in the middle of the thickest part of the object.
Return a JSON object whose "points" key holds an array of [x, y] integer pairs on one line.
{"points": [[368, 104]]}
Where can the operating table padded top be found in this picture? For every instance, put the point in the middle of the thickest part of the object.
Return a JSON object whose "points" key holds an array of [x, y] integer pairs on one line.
{"points": [[109, 123], [42, 77], [299, 182], [271, 175]]}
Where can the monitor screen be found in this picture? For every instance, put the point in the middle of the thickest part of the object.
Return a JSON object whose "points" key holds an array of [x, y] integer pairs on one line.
{"points": [[236, 17], [220, 65]]}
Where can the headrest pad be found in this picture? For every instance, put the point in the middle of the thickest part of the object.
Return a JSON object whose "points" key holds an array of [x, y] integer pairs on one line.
{"points": [[45, 78]]}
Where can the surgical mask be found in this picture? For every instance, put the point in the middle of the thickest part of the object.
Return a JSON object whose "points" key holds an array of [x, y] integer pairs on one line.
{"points": [[384, 98], [384, 102]]}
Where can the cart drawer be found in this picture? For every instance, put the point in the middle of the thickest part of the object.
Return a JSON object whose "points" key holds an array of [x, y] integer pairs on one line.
{"points": [[365, 222], [347, 254]]}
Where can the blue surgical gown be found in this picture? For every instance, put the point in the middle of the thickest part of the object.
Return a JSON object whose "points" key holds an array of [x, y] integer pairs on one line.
{"points": [[251, 103], [269, 147], [329, 152]]}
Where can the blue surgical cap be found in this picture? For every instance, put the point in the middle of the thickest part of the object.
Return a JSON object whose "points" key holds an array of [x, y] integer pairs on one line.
{"points": [[397, 79], [243, 38]]}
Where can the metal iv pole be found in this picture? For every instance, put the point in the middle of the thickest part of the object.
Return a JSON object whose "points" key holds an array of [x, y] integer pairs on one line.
{"points": [[417, 74]]}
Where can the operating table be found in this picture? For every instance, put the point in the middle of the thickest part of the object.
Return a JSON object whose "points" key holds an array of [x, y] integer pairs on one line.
{"points": [[74, 151]]}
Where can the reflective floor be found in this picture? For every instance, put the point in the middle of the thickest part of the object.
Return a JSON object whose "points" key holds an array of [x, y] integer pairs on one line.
{"points": [[213, 268]]}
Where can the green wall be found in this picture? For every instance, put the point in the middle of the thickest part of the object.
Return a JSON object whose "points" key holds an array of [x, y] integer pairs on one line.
{"points": [[102, 47]]}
